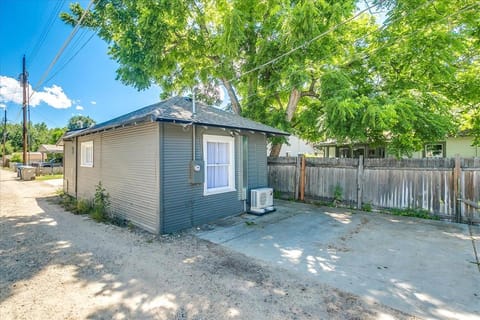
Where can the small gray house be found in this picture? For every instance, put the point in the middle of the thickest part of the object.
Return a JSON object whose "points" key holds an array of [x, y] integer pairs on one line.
{"points": [[171, 165]]}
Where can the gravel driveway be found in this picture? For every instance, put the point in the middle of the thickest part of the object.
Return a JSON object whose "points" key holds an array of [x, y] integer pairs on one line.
{"points": [[56, 265]]}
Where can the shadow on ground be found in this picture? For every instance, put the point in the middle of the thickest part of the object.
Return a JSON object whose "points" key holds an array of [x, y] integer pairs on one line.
{"points": [[426, 268], [68, 266]]}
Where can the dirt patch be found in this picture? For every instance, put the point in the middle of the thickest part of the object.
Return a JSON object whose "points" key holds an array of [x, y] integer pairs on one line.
{"points": [[56, 265]]}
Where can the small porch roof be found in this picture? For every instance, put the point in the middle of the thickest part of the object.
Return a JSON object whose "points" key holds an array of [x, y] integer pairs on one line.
{"points": [[50, 148]]}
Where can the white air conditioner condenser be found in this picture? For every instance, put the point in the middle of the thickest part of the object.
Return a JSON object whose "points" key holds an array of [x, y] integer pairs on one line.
{"points": [[261, 200]]}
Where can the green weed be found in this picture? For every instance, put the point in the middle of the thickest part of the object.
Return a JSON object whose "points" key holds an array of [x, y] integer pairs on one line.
{"points": [[337, 195], [101, 203], [367, 207], [411, 212], [83, 207]]}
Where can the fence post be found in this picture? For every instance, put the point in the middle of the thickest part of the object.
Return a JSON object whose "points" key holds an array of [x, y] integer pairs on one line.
{"points": [[359, 182], [457, 194], [297, 178], [302, 177]]}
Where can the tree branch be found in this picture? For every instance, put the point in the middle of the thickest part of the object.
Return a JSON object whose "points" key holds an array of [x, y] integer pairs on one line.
{"points": [[311, 90]]}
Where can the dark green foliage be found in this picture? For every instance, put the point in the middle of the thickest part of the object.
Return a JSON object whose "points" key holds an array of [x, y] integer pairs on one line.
{"points": [[410, 212], [38, 134], [16, 157], [83, 207], [337, 195], [98, 208], [404, 83], [80, 122], [68, 202], [367, 207], [101, 203]]}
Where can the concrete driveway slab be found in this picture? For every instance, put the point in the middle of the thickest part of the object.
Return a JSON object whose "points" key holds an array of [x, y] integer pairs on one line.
{"points": [[426, 268]]}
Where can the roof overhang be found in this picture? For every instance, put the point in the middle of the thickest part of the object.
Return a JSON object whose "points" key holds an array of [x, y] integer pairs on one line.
{"points": [[198, 123], [150, 118], [50, 148]]}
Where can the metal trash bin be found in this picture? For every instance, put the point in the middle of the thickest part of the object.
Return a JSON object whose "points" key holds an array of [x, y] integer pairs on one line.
{"points": [[27, 173], [18, 168]]}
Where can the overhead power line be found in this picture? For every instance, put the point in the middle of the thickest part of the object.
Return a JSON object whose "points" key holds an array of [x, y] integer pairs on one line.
{"points": [[306, 43], [71, 58], [62, 49], [366, 53], [46, 30]]}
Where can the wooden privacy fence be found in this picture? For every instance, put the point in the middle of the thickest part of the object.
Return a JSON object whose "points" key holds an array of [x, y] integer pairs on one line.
{"points": [[447, 187]]}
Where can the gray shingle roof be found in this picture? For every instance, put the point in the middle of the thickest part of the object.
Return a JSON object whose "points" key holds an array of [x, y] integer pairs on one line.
{"points": [[179, 110]]}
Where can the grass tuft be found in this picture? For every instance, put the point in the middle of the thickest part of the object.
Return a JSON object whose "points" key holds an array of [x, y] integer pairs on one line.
{"points": [[49, 177]]}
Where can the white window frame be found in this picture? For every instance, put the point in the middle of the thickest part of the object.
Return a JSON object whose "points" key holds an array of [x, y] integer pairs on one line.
{"points": [[431, 148], [231, 165], [86, 154]]}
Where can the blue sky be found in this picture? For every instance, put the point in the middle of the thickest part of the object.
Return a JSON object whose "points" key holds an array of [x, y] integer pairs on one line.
{"points": [[86, 85]]}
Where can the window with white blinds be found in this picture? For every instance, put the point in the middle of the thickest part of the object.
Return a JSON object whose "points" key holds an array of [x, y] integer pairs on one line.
{"points": [[218, 154]]}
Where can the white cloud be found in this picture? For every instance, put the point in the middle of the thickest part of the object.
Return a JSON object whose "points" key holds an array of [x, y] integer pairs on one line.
{"points": [[79, 108], [2, 106], [11, 91], [93, 102], [53, 96]]}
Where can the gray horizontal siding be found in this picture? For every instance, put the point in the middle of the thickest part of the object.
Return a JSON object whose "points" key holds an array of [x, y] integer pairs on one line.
{"points": [[257, 161], [69, 168], [146, 171], [177, 195], [184, 204], [131, 173], [88, 178]]}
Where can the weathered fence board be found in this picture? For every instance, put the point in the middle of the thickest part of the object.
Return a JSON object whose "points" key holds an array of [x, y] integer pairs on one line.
{"points": [[321, 182], [429, 190], [435, 185], [282, 175]]}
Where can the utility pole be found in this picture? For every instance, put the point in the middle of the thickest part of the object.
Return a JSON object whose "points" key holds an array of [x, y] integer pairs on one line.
{"points": [[4, 138], [23, 79]]}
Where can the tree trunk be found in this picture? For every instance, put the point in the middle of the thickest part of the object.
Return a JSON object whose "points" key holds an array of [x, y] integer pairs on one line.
{"points": [[295, 96], [293, 100], [275, 150], [233, 96]]}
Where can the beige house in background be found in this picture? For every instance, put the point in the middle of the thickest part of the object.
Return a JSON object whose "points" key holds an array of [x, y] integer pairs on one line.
{"points": [[46, 149], [451, 146], [461, 145]]}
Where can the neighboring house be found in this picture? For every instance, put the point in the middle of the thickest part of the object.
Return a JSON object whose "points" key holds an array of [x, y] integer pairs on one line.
{"points": [[46, 149], [332, 149], [294, 147], [171, 165], [451, 146], [31, 156], [461, 145]]}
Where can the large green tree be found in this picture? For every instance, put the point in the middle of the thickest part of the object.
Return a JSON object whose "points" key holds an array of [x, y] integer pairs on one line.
{"points": [[406, 84], [37, 133], [80, 122], [298, 65], [15, 136], [179, 44]]}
